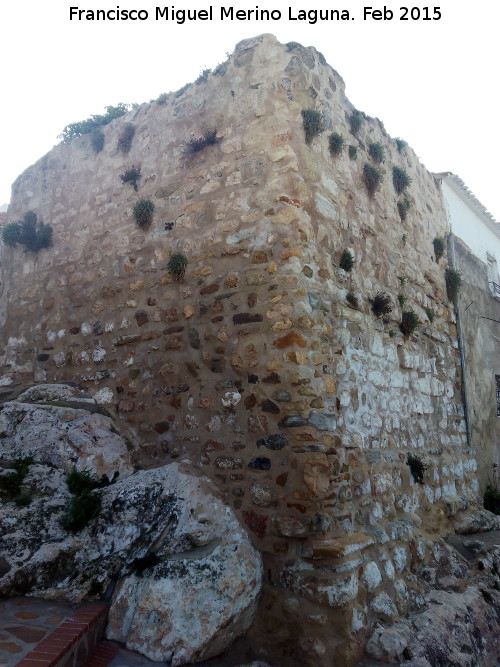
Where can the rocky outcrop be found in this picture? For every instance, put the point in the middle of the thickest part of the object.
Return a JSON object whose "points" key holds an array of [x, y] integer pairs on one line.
{"points": [[187, 577], [456, 629], [59, 425]]}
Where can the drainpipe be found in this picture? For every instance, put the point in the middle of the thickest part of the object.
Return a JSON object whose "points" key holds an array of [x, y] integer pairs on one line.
{"points": [[453, 264]]}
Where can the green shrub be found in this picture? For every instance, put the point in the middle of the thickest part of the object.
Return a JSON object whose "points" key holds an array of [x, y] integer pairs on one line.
{"points": [[131, 175], [352, 300], [438, 244], [346, 261], [79, 481], [10, 233], [417, 467], [75, 130], [409, 323], [29, 232], [336, 143], [404, 239], [492, 500], [197, 144], [125, 138], [453, 283], [373, 177], [356, 121], [182, 90], [176, 265], [10, 484], [162, 99], [353, 152], [431, 315], [401, 144], [143, 212], [85, 503], [82, 509], [404, 206], [381, 304], [312, 121], [97, 139], [401, 299], [376, 152], [400, 179], [203, 76]]}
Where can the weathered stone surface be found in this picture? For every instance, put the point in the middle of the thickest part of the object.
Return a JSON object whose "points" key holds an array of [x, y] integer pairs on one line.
{"points": [[342, 546], [63, 429], [456, 629], [206, 545], [478, 521], [315, 586]]}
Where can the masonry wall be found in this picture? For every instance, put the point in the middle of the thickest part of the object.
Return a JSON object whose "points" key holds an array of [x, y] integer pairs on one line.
{"points": [[479, 318], [301, 405]]}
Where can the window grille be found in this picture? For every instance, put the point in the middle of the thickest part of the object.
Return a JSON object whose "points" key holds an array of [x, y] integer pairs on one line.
{"points": [[497, 383]]}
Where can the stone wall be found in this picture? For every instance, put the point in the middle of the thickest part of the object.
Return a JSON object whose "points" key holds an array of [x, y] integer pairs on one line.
{"points": [[299, 403], [480, 338]]}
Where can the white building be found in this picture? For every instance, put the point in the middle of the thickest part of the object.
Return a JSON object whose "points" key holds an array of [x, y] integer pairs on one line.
{"points": [[473, 224]]}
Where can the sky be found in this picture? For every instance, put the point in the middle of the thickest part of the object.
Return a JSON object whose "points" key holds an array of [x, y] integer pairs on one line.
{"points": [[433, 83]]}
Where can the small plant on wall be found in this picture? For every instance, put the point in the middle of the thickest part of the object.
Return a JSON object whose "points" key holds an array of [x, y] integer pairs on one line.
{"points": [[400, 179], [352, 300], [131, 175], [400, 144], [356, 121], [336, 144], [125, 139], [438, 244], [453, 280], [97, 139], [197, 144], [376, 152], [143, 212], [353, 152], [176, 265], [417, 467], [34, 235], [312, 120], [404, 206], [346, 261], [373, 177], [381, 304], [431, 315], [409, 322]]}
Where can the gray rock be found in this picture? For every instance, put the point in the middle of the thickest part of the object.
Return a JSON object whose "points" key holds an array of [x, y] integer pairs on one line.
{"points": [[478, 521]]}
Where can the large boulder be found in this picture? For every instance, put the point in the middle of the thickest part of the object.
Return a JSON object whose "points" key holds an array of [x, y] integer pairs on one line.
{"points": [[188, 578], [195, 588]]}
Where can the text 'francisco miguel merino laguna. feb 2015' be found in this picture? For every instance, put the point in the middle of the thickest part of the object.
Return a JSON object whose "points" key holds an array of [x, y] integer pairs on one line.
{"points": [[311, 16]]}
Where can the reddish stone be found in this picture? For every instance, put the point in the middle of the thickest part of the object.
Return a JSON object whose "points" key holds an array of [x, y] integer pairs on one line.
{"points": [[257, 523], [252, 300], [141, 317], [250, 401], [210, 289], [289, 339]]}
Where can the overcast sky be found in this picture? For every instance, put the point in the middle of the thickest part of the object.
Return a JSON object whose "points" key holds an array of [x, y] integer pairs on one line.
{"points": [[434, 83]]}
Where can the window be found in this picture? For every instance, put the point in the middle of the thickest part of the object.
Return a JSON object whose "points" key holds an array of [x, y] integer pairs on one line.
{"points": [[493, 280], [497, 383]]}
